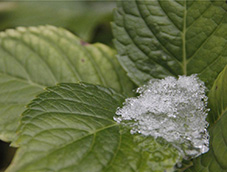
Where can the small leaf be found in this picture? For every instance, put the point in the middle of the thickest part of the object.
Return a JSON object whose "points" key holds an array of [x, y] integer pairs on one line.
{"points": [[215, 159], [218, 98], [157, 38], [70, 127], [36, 57]]}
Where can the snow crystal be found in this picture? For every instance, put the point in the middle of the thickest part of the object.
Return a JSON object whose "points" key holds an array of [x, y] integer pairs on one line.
{"points": [[174, 109]]}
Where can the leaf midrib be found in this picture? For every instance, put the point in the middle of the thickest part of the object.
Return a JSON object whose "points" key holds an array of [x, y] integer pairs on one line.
{"points": [[184, 66], [29, 82]]}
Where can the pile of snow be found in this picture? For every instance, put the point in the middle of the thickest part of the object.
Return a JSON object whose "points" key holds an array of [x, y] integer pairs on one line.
{"points": [[174, 109]]}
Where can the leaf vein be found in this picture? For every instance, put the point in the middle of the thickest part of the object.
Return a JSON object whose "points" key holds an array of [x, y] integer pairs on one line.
{"points": [[205, 41], [68, 144], [160, 4], [61, 51], [147, 25]]}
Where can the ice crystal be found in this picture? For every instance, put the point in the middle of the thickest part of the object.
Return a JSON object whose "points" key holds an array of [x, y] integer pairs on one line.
{"points": [[174, 109]]}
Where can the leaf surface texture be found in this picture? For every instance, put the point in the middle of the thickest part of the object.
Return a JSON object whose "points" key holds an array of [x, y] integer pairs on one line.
{"points": [[156, 39], [70, 127], [36, 57]]}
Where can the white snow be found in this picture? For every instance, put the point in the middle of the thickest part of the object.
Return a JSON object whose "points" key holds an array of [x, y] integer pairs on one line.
{"points": [[174, 109]]}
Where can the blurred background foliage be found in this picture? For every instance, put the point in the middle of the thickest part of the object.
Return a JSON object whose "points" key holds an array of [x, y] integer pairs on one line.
{"points": [[88, 19]]}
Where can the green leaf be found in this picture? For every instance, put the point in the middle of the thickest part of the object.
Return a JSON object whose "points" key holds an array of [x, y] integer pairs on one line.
{"points": [[157, 38], [217, 97], [215, 159], [36, 57], [70, 127], [78, 16]]}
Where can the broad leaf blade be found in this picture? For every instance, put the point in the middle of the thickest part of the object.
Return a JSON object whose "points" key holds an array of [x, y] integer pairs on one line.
{"points": [[36, 57], [156, 38], [70, 127], [215, 159]]}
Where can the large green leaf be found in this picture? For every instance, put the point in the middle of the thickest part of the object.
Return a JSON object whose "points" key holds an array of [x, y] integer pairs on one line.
{"points": [[36, 57], [172, 37], [80, 17], [215, 159], [70, 127]]}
